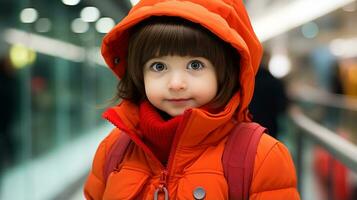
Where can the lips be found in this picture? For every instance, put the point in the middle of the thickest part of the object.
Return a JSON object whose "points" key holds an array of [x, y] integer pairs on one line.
{"points": [[179, 101]]}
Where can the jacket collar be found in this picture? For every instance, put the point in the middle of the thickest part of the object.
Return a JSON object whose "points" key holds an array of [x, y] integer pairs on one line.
{"points": [[198, 127]]}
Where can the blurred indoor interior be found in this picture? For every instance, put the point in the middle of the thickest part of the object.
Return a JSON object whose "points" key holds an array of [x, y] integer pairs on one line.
{"points": [[54, 86]]}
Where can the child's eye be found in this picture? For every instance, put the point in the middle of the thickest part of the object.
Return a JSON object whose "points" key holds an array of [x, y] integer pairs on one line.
{"points": [[158, 67], [195, 65]]}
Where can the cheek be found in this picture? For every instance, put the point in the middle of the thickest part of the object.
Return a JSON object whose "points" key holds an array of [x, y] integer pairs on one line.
{"points": [[151, 89], [206, 90]]}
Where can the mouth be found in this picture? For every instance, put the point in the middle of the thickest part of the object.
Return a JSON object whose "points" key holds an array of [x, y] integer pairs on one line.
{"points": [[180, 101]]}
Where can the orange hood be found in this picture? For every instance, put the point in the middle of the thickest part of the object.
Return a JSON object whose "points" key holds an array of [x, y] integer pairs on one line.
{"points": [[228, 21]]}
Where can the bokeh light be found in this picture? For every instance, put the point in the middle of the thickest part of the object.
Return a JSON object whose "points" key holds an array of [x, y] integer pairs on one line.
{"points": [[310, 30], [43, 25], [279, 65], [21, 56], [71, 2], [90, 14], [104, 24], [79, 26], [28, 15]]}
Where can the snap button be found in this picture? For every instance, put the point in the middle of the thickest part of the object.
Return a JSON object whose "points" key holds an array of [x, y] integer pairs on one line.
{"points": [[199, 193], [116, 60]]}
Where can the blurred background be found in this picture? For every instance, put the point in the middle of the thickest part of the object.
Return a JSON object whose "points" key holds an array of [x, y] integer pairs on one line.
{"points": [[54, 86]]}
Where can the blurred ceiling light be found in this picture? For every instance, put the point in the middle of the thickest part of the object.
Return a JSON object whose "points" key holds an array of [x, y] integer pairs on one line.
{"points": [[104, 24], [345, 48], [21, 56], [71, 2], [52, 47], [279, 65], [45, 45], [43, 25], [90, 14], [350, 7], [28, 15], [134, 2], [79, 26], [289, 16], [336, 47], [310, 30]]}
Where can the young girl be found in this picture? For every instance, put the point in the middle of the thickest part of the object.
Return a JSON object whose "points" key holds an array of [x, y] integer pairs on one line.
{"points": [[187, 76]]}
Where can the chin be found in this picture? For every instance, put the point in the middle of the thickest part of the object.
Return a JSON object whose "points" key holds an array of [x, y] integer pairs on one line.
{"points": [[174, 114]]}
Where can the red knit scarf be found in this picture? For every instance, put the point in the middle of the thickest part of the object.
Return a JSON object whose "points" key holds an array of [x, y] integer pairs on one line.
{"points": [[157, 133]]}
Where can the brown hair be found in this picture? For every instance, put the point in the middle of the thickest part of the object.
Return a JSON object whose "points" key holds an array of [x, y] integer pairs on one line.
{"points": [[161, 36]]}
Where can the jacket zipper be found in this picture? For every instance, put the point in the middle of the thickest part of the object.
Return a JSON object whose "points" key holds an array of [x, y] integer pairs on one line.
{"points": [[177, 136], [114, 118]]}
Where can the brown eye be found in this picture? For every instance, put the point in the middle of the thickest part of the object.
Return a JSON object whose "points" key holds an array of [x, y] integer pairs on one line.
{"points": [[158, 67], [195, 65]]}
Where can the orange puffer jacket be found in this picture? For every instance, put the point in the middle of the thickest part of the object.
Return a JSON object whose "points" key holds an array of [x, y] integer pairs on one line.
{"points": [[195, 157], [195, 161]]}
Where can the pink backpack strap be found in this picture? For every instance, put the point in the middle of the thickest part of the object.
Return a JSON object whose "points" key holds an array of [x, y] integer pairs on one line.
{"points": [[116, 154], [238, 158]]}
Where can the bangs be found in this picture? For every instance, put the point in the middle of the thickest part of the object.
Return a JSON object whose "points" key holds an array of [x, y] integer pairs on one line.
{"points": [[160, 36]]}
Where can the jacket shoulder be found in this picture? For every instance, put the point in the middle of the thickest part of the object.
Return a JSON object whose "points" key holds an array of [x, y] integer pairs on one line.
{"points": [[102, 152], [95, 184], [274, 175]]}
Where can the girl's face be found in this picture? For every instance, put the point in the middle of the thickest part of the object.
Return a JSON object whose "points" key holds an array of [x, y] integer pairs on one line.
{"points": [[175, 83]]}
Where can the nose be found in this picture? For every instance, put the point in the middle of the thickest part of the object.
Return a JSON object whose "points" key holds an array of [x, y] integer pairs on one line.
{"points": [[177, 82]]}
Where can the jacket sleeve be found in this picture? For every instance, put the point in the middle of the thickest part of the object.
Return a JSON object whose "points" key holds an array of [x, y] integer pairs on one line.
{"points": [[95, 184], [274, 175]]}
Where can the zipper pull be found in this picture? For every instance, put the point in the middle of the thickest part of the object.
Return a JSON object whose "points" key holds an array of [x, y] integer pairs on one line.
{"points": [[162, 186]]}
